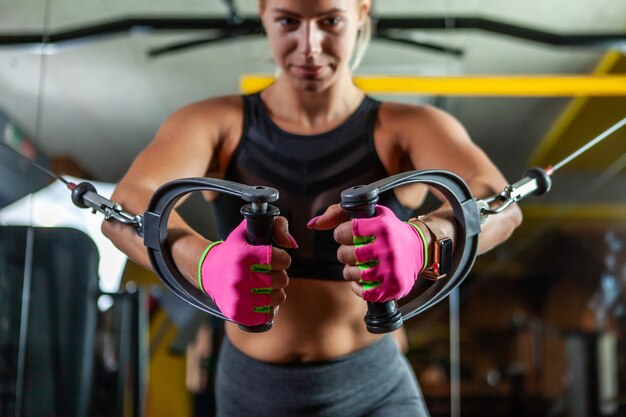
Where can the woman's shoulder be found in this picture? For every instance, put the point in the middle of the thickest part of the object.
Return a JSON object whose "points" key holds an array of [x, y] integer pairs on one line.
{"points": [[214, 109], [216, 118], [423, 120], [397, 112]]}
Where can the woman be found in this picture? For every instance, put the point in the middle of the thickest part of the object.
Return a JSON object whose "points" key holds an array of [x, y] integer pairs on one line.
{"points": [[311, 134]]}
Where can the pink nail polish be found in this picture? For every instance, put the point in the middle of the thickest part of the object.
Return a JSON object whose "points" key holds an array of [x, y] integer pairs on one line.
{"points": [[294, 244], [312, 222]]}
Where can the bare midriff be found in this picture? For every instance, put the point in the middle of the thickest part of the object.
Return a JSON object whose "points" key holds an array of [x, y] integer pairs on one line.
{"points": [[320, 320]]}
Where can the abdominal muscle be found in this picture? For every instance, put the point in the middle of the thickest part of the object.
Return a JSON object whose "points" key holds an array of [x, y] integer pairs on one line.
{"points": [[320, 320]]}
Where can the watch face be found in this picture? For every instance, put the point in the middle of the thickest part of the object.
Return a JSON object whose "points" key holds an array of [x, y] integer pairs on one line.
{"points": [[445, 258]]}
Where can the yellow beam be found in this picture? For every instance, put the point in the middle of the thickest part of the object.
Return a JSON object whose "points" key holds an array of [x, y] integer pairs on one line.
{"points": [[583, 119], [476, 85]]}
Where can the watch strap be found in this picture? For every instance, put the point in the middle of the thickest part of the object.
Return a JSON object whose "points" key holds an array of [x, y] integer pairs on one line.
{"points": [[433, 271], [432, 226]]}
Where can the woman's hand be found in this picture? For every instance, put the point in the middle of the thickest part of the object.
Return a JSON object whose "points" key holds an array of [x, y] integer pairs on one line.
{"points": [[247, 282], [383, 256]]}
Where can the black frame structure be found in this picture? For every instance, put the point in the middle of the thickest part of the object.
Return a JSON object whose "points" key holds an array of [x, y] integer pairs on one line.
{"points": [[388, 28]]}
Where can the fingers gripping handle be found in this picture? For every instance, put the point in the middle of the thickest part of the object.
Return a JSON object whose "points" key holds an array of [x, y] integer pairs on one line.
{"points": [[381, 317], [384, 317], [259, 221], [258, 211]]}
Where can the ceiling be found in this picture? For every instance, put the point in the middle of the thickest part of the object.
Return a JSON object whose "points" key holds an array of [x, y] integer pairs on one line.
{"points": [[99, 100]]}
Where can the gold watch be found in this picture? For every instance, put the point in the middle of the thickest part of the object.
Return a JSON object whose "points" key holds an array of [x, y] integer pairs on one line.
{"points": [[442, 250]]}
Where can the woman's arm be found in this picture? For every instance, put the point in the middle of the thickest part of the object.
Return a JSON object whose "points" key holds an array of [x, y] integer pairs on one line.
{"points": [[435, 140], [183, 147], [414, 138]]}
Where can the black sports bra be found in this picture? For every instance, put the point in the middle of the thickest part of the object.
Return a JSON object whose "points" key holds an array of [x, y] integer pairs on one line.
{"points": [[310, 172]]}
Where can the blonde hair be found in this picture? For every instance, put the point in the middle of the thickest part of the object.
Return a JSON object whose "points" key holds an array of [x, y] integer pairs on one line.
{"points": [[363, 38]]}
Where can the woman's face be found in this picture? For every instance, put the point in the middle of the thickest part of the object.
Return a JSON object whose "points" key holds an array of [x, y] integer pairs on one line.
{"points": [[312, 40]]}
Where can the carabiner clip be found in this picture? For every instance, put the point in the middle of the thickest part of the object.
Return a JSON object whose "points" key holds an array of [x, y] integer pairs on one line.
{"points": [[536, 181]]}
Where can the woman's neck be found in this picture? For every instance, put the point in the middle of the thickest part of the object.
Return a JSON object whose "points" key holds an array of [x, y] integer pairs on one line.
{"points": [[310, 112]]}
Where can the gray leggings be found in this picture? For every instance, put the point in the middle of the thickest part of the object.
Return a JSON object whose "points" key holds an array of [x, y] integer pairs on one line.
{"points": [[373, 382]]}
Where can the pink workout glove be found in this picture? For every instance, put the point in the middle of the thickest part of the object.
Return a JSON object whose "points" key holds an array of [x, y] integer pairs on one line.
{"points": [[235, 275], [390, 254]]}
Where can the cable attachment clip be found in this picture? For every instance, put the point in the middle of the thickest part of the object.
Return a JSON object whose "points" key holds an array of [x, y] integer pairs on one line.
{"points": [[536, 181], [84, 195]]}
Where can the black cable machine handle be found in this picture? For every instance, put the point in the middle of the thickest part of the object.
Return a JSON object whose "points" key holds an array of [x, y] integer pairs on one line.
{"points": [[259, 214], [360, 201]]}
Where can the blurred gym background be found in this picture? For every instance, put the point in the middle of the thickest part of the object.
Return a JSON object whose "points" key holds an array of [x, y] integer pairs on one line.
{"points": [[537, 329]]}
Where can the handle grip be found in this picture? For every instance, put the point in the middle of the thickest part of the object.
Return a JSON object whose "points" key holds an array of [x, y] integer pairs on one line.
{"points": [[381, 317], [360, 201], [258, 211], [259, 222]]}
